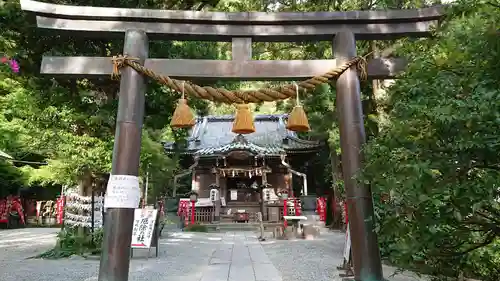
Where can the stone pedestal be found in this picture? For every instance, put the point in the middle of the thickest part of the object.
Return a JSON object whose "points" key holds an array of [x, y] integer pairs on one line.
{"points": [[309, 209], [310, 232], [279, 233], [274, 214]]}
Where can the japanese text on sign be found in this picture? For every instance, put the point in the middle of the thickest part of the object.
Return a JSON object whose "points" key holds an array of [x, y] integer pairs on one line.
{"points": [[123, 191], [143, 229]]}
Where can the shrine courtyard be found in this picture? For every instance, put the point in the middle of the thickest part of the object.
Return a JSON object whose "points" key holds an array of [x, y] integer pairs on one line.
{"points": [[186, 256]]}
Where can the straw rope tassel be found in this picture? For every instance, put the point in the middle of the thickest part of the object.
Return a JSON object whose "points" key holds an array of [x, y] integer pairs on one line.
{"points": [[297, 119], [243, 120], [183, 115]]}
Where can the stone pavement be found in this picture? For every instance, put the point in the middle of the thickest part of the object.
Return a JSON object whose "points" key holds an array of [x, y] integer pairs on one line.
{"points": [[240, 257]]}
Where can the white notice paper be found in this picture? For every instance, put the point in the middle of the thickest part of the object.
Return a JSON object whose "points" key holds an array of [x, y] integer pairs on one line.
{"points": [[234, 195], [347, 246], [123, 191], [144, 226]]}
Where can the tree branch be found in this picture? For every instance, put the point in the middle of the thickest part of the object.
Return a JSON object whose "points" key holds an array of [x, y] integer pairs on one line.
{"points": [[493, 4], [486, 242]]}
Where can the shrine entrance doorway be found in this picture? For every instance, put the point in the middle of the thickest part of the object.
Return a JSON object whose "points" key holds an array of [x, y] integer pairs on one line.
{"points": [[243, 189]]}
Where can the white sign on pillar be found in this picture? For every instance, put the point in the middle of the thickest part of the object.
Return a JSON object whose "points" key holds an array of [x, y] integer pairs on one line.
{"points": [[214, 194], [347, 246], [267, 194], [194, 183], [122, 192], [234, 195]]}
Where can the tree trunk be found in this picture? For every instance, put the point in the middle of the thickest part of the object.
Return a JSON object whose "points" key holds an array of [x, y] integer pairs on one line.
{"points": [[336, 176], [379, 95], [84, 188]]}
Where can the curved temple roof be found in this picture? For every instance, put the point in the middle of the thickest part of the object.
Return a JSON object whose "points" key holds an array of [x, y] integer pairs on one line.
{"points": [[222, 26], [241, 143], [212, 135]]}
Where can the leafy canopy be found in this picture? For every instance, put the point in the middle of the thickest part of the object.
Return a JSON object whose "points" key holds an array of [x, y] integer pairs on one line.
{"points": [[438, 155]]}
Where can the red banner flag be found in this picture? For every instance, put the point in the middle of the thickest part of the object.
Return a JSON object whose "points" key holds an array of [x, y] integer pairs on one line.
{"points": [[60, 210]]}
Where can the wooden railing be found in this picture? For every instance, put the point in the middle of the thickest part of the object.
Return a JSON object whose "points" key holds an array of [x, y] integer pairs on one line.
{"points": [[206, 214], [202, 214]]}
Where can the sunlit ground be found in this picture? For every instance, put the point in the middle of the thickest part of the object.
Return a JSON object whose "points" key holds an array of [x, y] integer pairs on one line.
{"points": [[182, 256]]}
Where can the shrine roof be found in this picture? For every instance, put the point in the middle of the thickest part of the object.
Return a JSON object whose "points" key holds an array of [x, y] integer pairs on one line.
{"points": [[212, 135], [241, 143]]}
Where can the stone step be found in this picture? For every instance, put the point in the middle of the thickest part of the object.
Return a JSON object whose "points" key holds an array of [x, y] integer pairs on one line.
{"points": [[231, 226], [238, 227], [229, 204]]}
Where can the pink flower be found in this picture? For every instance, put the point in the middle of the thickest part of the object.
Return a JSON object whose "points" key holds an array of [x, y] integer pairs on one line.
{"points": [[14, 65], [4, 60]]}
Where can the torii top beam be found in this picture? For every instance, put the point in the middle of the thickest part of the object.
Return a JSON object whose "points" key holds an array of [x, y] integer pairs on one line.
{"points": [[221, 26], [239, 28]]}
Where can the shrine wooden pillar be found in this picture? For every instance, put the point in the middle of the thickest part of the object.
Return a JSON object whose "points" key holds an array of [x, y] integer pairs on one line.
{"points": [[217, 202], [262, 196], [365, 250], [115, 257]]}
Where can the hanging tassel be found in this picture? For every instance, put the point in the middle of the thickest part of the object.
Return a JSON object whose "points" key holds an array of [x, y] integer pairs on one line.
{"points": [[297, 119], [183, 115], [243, 120]]}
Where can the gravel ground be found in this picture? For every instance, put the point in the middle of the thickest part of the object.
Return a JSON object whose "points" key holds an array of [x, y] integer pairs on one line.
{"points": [[18, 244], [305, 260], [182, 256]]}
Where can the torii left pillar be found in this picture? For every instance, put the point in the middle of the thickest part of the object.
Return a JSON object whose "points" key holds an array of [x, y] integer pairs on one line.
{"points": [[115, 257]]}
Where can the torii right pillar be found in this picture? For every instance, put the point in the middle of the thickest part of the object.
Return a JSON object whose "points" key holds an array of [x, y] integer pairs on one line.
{"points": [[365, 249]]}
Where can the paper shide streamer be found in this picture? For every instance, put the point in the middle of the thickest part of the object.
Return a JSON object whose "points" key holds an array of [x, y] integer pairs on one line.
{"points": [[78, 211]]}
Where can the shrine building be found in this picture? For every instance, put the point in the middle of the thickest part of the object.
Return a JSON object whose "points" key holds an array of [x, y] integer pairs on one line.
{"points": [[238, 164]]}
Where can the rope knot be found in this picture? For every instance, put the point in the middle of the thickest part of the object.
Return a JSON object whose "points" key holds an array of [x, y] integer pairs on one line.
{"points": [[119, 62], [361, 66]]}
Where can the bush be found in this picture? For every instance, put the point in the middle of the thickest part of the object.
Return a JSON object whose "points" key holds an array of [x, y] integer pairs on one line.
{"points": [[70, 242], [437, 154], [196, 228]]}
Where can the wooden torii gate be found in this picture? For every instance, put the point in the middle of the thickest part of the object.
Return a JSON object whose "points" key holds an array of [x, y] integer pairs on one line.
{"points": [[137, 25]]}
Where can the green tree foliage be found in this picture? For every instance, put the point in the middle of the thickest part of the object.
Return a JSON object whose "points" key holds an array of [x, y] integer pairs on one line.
{"points": [[70, 123], [435, 155], [11, 179], [438, 155]]}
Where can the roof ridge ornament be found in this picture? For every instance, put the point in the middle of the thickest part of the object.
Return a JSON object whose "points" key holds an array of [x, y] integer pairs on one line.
{"points": [[240, 139]]}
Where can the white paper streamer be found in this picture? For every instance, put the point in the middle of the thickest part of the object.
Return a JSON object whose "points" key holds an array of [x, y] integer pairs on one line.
{"points": [[71, 223], [78, 211], [81, 199], [80, 218]]}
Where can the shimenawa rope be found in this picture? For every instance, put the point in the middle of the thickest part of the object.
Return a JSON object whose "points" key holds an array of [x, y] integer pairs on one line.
{"points": [[239, 97]]}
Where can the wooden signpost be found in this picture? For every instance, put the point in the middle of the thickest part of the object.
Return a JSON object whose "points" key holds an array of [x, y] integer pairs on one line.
{"points": [[145, 233], [347, 263]]}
